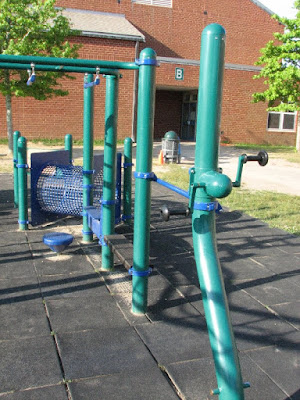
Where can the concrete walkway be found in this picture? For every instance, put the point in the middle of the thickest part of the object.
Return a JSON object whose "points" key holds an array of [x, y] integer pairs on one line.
{"points": [[67, 331]]}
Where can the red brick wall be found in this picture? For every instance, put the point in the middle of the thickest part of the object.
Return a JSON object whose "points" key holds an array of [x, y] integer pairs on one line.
{"points": [[54, 118], [172, 32]]}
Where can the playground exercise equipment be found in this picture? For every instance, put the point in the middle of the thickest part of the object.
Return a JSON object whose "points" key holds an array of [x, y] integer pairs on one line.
{"points": [[206, 184], [165, 212], [58, 241]]}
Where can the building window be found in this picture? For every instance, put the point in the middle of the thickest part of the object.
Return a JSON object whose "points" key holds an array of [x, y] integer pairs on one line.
{"points": [[159, 3], [282, 121]]}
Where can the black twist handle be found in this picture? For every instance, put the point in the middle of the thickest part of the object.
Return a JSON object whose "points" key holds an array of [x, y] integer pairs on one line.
{"points": [[262, 158], [165, 213]]}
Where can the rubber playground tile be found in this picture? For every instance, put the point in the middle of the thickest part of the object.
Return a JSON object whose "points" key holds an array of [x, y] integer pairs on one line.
{"points": [[289, 312], [262, 333], [175, 341], [196, 378], [243, 268], [57, 392], [287, 357], [28, 363], [68, 262], [16, 262], [102, 352], [15, 326], [76, 285], [17, 241], [72, 314], [19, 290], [276, 289], [147, 384], [279, 264], [169, 305]]}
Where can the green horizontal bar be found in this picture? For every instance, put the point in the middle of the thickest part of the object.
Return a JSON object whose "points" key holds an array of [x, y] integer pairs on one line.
{"points": [[76, 62], [58, 68]]}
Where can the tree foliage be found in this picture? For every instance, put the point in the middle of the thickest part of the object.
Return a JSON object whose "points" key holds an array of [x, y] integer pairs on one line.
{"points": [[281, 67], [33, 27]]}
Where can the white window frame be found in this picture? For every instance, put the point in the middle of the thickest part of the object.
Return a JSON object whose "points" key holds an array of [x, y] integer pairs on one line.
{"points": [[280, 128], [157, 3]]}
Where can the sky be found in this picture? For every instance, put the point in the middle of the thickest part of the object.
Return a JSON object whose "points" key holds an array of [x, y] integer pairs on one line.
{"points": [[284, 8]]}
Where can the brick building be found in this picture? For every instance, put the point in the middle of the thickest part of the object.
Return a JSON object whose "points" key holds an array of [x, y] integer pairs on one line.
{"points": [[119, 29]]}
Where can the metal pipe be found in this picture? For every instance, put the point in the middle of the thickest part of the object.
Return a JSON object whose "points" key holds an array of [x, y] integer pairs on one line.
{"points": [[88, 139], [16, 136], [58, 68], [69, 146], [206, 185], [127, 179], [74, 62], [174, 188], [141, 239], [109, 169], [22, 180], [241, 162]]}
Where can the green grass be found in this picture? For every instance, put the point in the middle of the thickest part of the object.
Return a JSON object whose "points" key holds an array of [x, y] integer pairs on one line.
{"points": [[276, 209]]}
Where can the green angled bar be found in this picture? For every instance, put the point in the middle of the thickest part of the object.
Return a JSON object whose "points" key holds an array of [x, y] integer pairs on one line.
{"points": [[22, 180], [127, 181], [58, 68], [69, 146], [16, 136], [207, 184], [88, 140], [74, 62], [141, 239], [109, 169]]}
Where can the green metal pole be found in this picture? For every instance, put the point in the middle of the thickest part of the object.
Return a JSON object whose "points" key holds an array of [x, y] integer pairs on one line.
{"points": [[88, 123], [22, 180], [109, 169], [69, 146], [141, 240], [238, 178], [127, 179], [206, 185], [16, 136]]}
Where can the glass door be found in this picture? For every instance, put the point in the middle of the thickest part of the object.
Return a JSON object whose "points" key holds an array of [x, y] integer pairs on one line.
{"points": [[189, 116]]}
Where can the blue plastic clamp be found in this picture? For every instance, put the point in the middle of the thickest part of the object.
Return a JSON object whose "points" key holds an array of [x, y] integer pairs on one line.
{"points": [[22, 165], [145, 175], [126, 217], [147, 61], [88, 171], [126, 165], [22, 222], [87, 232], [134, 272], [88, 186], [212, 206], [108, 202]]}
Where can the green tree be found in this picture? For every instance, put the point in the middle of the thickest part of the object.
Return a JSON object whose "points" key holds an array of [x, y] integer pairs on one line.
{"points": [[32, 27], [281, 68]]}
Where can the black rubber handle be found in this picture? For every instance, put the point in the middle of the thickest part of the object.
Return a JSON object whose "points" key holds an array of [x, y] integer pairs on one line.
{"points": [[262, 158], [165, 213]]}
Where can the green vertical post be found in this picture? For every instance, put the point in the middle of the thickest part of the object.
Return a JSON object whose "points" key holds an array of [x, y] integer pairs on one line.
{"points": [[141, 239], [69, 146], [127, 181], [22, 180], [16, 136], [109, 169], [207, 184], [88, 138]]}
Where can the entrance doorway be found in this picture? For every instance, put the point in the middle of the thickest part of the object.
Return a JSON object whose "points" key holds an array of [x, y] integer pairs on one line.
{"points": [[189, 116]]}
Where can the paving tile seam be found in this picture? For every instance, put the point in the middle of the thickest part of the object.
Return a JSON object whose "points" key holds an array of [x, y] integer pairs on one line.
{"points": [[49, 322], [162, 368], [268, 375], [24, 390]]}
